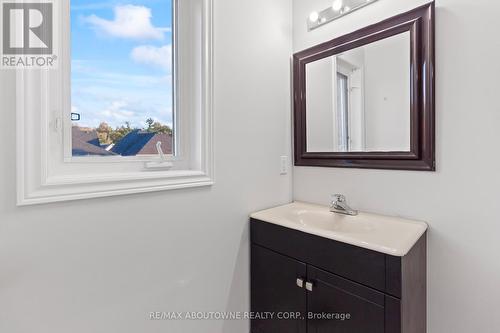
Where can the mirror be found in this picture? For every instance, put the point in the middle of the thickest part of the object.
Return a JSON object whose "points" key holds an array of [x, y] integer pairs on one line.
{"points": [[359, 100], [366, 99]]}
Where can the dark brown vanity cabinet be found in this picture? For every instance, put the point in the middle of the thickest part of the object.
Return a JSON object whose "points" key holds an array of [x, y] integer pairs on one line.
{"points": [[271, 295], [304, 283]]}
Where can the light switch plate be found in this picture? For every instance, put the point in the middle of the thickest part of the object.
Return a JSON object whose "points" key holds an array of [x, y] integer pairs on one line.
{"points": [[284, 165]]}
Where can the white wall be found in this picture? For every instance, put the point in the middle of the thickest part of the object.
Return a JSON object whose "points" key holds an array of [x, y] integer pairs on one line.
{"points": [[460, 201], [102, 265], [387, 94], [321, 122]]}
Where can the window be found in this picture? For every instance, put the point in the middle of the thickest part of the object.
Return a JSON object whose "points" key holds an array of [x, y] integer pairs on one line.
{"points": [[349, 101], [127, 109], [343, 111], [122, 78]]}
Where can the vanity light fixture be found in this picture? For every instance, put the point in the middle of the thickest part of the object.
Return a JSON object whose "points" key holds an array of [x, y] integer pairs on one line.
{"points": [[338, 9], [314, 17], [337, 5]]}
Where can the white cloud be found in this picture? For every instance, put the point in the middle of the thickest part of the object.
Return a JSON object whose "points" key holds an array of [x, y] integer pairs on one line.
{"points": [[117, 111], [132, 22], [117, 107], [152, 55]]}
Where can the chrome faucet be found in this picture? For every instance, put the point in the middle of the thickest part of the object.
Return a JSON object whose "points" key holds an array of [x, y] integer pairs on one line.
{"points": [[339, 205]]}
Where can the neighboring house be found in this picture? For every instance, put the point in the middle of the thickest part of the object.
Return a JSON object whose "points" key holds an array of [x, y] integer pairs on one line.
{"points": [[86, 142], [140, 142]]}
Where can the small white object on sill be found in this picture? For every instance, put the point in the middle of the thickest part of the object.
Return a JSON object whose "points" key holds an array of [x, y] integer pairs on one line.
{"points": [[162, 164]]}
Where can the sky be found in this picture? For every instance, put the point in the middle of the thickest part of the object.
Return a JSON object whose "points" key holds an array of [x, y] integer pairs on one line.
{"points": [[121, 61]]}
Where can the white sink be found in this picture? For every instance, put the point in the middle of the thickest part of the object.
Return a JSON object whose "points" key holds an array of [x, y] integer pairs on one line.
{"points": [[391, 235]]}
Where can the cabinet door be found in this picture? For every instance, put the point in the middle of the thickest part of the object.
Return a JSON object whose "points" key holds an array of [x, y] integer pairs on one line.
{"points": [[276, 294], [333, 298]]}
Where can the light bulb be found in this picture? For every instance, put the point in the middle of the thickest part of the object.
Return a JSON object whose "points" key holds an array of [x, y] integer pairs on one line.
{"points": [[337, 5], [346, 9], [314, 17]]}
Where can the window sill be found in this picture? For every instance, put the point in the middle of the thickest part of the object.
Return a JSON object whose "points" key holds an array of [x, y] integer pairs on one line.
{"points": [[58, 189]]}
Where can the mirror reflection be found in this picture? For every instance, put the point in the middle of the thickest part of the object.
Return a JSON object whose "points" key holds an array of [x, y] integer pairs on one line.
{"points": [[359, 100]]}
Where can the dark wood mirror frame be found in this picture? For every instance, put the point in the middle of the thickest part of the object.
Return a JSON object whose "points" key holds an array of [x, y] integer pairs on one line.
{"points": [[420, 23]]}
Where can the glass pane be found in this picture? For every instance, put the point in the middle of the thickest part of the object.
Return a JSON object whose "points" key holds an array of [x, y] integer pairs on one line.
{"points": [[359, 100], [121, 77]]}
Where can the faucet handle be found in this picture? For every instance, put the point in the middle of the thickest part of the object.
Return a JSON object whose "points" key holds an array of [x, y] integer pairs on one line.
{"points": [[338, 198]]}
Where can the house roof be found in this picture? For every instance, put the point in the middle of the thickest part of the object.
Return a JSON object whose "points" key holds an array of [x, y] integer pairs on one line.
{"points": [[81, 148], [86, 135], [85, 142], [150, 147], [140, 142]]}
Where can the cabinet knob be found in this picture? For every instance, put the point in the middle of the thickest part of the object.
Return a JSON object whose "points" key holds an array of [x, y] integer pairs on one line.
{"points": [[300, 283], [309, 286]]}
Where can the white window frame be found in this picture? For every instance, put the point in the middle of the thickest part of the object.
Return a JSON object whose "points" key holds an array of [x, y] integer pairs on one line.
{"points": [[343, 67], [45, 172]]}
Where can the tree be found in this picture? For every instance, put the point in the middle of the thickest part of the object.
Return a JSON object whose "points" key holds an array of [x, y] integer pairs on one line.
{"points": [[120, 132], [104, 132], [149, 122], [157, 127]]}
